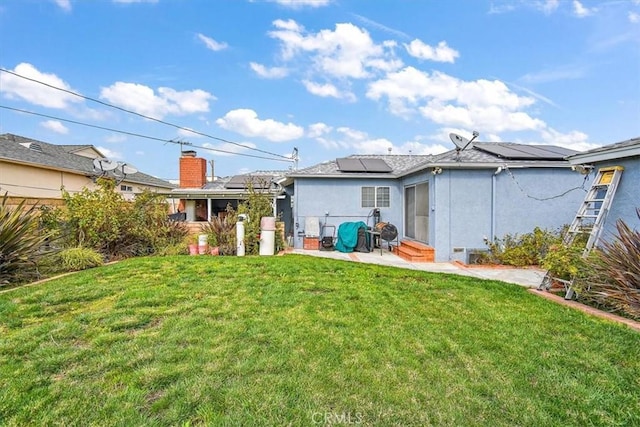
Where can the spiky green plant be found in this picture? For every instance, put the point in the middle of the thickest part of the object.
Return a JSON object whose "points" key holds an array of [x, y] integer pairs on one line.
{"points": [[20, 241], [614, 280]]}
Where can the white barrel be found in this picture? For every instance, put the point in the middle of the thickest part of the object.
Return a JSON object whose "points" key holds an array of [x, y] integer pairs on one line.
{"points": [[202, 244], [268, 223], [267, 242], [240, 238]]}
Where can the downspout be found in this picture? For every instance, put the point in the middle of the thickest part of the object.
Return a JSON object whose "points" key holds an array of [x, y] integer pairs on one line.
{"points": [[493, 207]]}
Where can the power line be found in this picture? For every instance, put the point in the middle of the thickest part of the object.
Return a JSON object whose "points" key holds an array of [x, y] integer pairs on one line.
{"points": [[543, 199], [140, 135], [142, 115]]}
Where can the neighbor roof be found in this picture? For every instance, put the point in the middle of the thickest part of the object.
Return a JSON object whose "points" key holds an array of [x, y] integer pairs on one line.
{"points": [[619, 150], [233, 186], [18, 149]]}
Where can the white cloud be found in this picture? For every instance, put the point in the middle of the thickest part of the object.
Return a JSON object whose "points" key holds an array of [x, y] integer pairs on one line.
{"points": [[346, 52], [634, 17], [580, 11], [64, 5], [415, 147], [574, 140], [297, 4], [115, 138], [188, 133], [440, 53], [14, 87], [269, 73], [548, 6], [144, 100], [211, 43], [247, 123], [110, 154], [228, 149], [327, 90], [483, 104], [318, 129], [55, 126]]}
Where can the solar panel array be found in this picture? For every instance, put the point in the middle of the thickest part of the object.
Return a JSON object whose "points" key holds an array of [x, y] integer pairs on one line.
{"points": [[524, 151], [347, 164]]}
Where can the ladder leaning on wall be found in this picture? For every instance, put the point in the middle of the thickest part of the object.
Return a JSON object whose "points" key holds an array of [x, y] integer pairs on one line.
{"points": [[590, 219]]}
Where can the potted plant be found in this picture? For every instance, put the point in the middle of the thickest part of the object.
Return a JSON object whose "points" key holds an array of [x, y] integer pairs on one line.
{"points": [[221, 235], [192, 242], [212, 240]]}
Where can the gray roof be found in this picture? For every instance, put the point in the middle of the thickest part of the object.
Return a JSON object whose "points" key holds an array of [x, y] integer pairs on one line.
{"points": [[478, 156], [399, 164], [19, 149], [219, 188], [628, 148]]}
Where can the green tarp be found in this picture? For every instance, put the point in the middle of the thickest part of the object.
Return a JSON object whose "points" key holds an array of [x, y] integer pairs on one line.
{"points": [[348, 236]]}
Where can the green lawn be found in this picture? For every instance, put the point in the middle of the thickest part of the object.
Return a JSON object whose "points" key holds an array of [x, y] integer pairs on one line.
{"points": [[305, 341]]}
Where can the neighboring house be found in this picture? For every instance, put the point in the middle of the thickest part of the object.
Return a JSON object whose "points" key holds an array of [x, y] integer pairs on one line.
{"points": [[627, 197], [200, 199], [36, 171], [452, 202]]}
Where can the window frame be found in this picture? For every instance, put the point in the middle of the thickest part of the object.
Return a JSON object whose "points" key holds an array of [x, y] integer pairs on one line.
{"points": [[380, 200]]}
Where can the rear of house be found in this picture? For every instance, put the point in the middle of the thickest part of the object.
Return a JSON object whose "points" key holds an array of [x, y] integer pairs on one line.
{"points": [[453, 202]]}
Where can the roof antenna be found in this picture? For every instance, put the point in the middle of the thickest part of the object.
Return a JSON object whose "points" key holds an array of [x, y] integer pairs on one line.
{"points": [[461, 142]]}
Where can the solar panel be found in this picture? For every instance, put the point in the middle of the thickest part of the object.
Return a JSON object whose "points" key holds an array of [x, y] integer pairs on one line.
{"points": [[524, 151], [346, 164], [350, 165], [375, 165]]}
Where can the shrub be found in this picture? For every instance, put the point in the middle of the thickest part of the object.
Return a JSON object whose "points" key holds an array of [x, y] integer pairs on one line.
{"points": [[521, 250], [102, 220], [258, 204], [75, 259], [21, 241], [221, 232], [614, 277]]}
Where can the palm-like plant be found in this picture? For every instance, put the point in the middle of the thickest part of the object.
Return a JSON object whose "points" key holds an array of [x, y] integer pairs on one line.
{"points": [[20, 240], [614, 281]]}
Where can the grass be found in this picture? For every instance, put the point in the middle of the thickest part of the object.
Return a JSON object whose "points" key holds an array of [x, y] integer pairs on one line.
{"points": [[297, 340]]}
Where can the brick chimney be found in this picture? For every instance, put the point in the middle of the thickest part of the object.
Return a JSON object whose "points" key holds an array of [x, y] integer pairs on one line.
{"points": [[193, 170]]}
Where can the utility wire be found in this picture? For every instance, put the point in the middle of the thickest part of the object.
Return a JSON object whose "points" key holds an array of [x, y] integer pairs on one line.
{"points": [[142, 115], [542, 199], [142, 136]]}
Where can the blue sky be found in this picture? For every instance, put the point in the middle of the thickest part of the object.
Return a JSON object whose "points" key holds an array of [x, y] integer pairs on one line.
{"points": [[330, 77]]}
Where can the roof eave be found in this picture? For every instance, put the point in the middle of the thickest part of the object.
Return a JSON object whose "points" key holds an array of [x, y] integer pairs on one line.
{"points": [[601, 156]]}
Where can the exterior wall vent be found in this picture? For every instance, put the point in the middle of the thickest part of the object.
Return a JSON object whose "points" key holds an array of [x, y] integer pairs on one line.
{"points": [[32, 146]]}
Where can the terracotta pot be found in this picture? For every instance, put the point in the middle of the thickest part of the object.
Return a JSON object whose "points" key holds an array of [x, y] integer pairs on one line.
{"points": [[193, 249], [215, 250]]}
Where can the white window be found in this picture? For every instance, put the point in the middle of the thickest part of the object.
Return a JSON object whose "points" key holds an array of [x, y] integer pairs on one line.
{"points": [[375, 197], [126, 188]]}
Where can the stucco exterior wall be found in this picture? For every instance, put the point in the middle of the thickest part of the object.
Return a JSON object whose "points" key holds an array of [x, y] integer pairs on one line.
{"points": [[32, 182], [340, 198], [471, 205]]}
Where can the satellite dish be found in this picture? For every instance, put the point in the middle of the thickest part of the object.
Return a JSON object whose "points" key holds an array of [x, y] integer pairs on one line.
{"points": [[128, 169], [461, 142], [104, 165]]}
